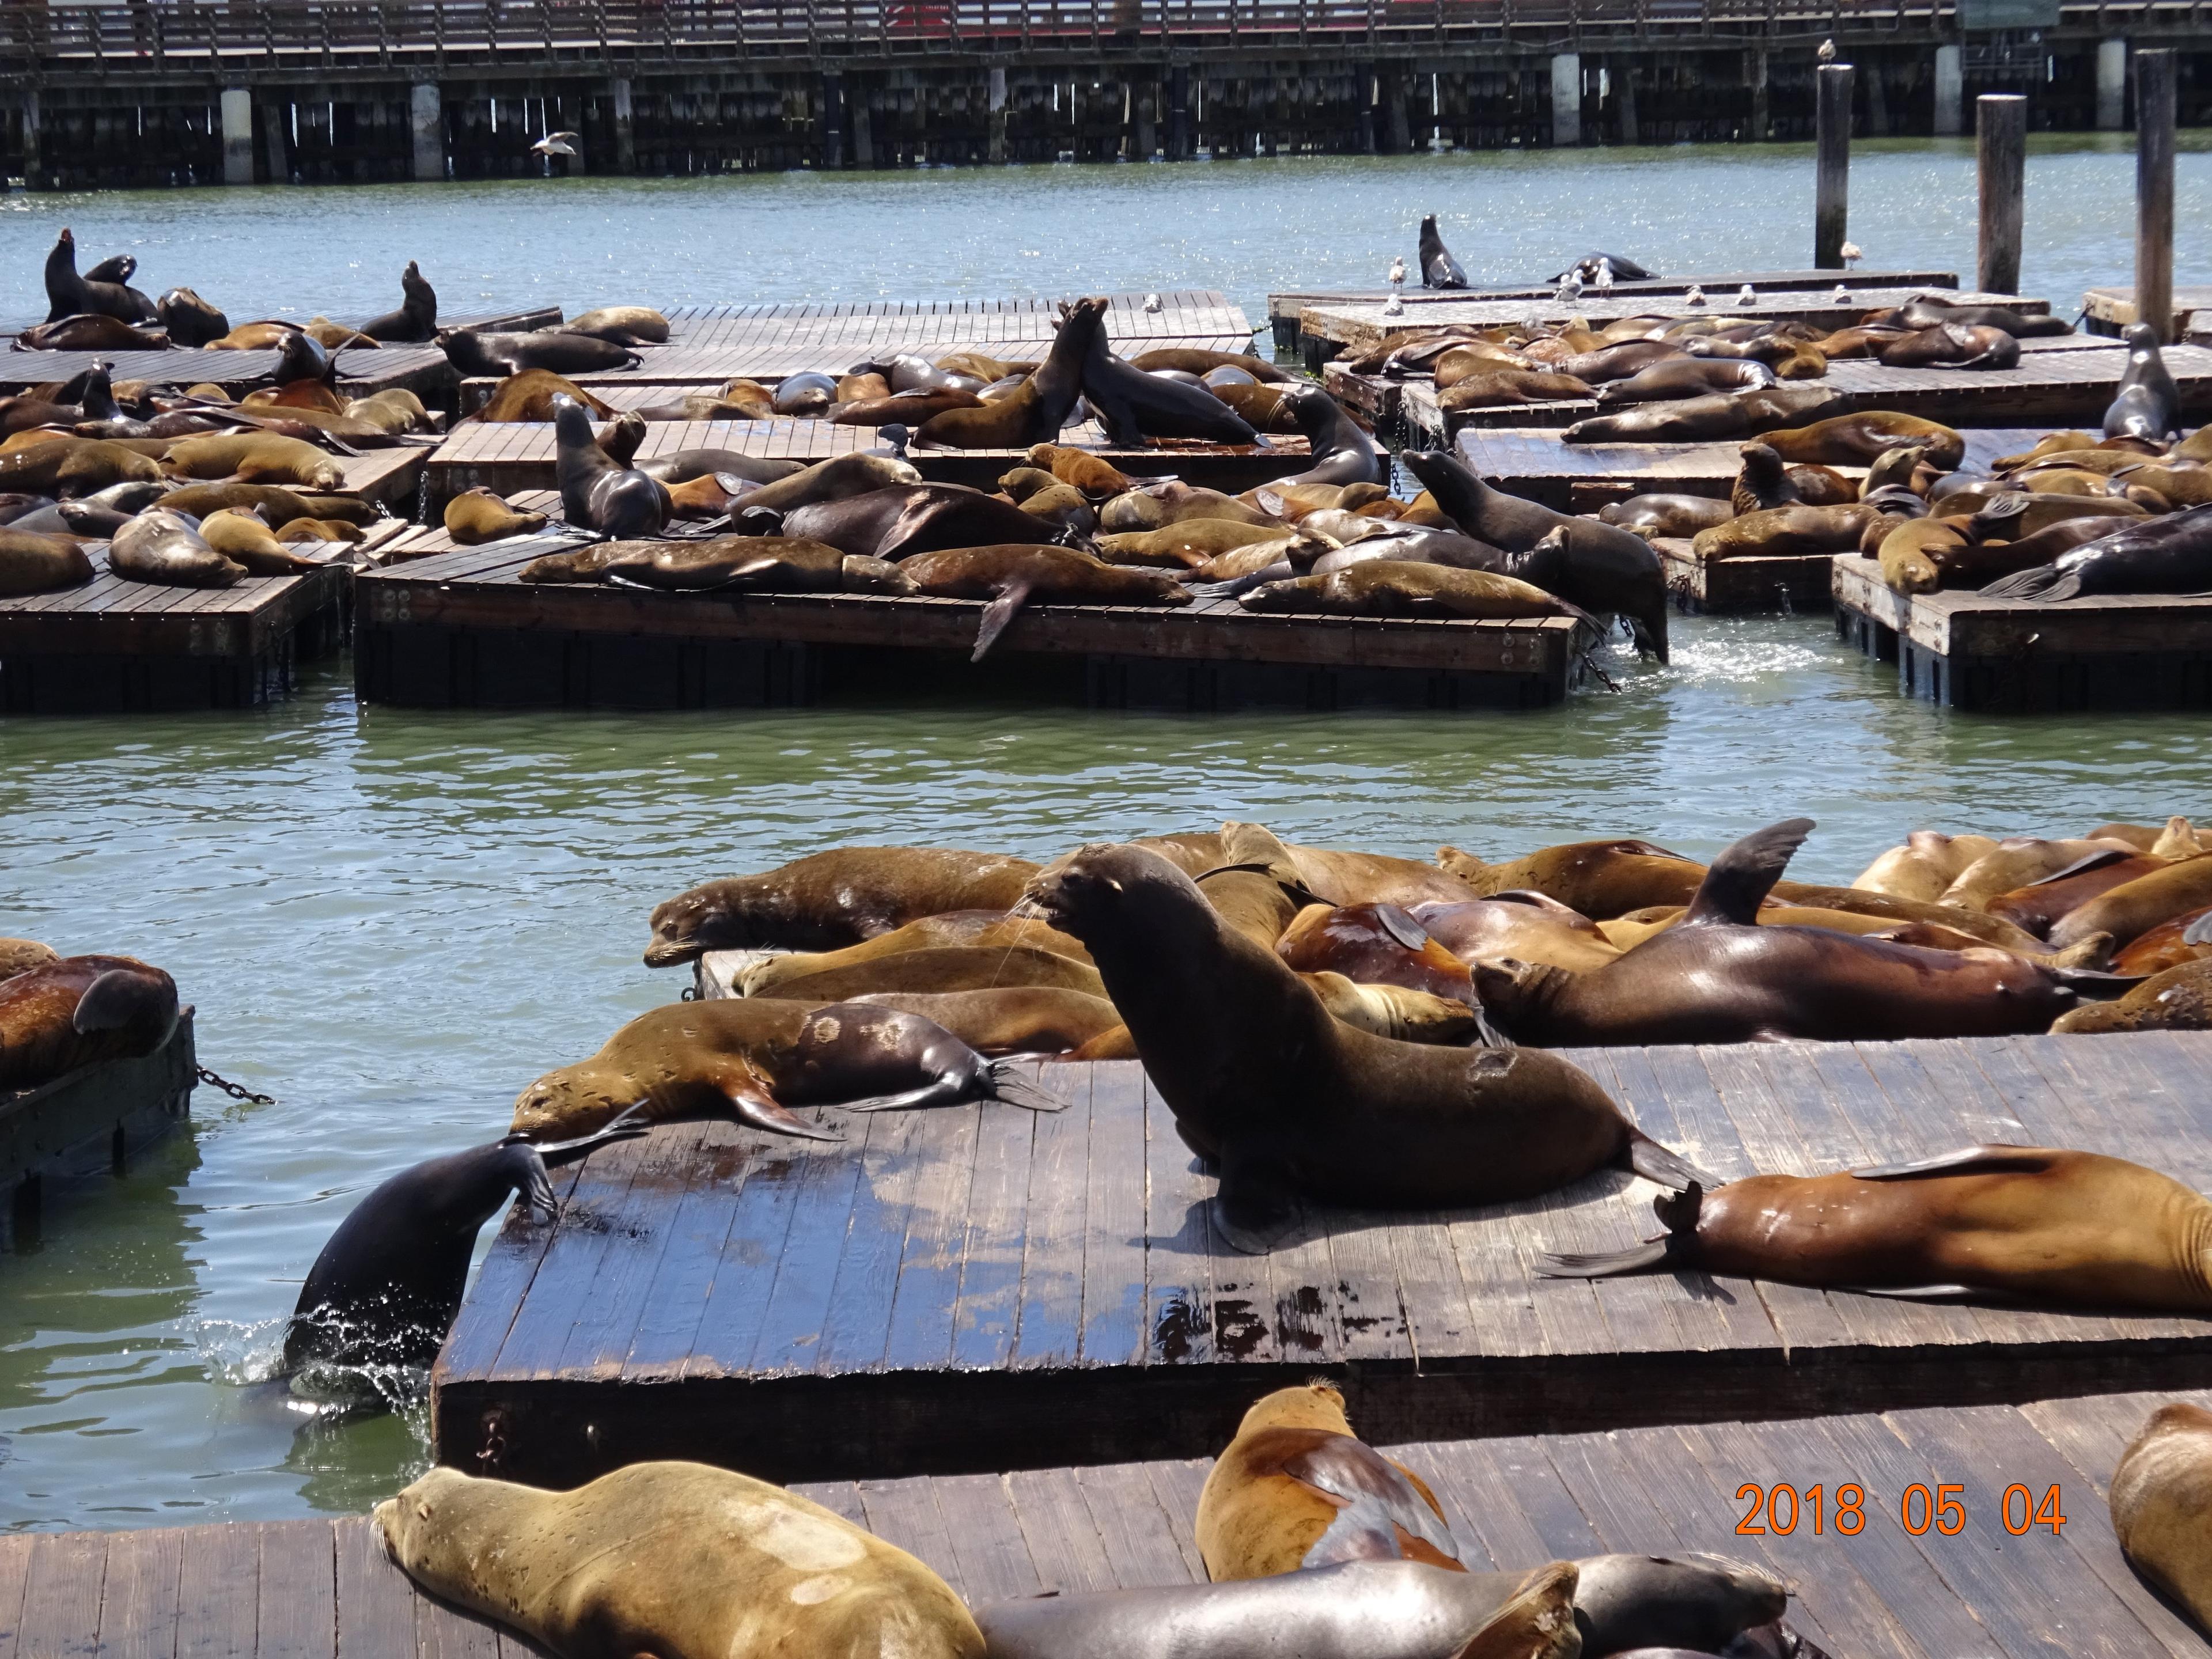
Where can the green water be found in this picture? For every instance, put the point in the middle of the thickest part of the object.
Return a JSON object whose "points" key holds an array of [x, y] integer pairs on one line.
{"points": [[392, 921]]}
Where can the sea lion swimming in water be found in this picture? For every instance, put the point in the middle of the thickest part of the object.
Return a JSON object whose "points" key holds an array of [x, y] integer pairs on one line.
{"points": [[2045, 1226], [2148, 404], [596, 493], [57, 1015], [831, 899], [1290, 1100], [1438, 268]]}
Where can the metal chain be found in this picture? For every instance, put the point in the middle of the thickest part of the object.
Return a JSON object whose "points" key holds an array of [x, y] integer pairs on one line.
{"points": [[234, 1091]]}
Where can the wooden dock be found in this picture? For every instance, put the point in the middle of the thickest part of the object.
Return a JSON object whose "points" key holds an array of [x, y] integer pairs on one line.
{"points": [[92, 1121], [980, 1288], [510, 457], [1721, 587], [326, 1589], [114, 646], [458, 630], [421, 370], [1581, 478], [1962, 650]]}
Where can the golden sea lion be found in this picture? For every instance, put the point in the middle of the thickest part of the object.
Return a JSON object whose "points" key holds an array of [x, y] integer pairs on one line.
{"points": [[672, 1560], [1155, 506], [2048, 1227], [1667, 515], [243, 537], [945, 968], [1296, 1488], [255, 457], [1783, 531], [34, 564], [1906, 553], [66, 466], [2038, 906], [70, 1011], [831, 899], [477, 516], [1094, 476], [1499, 387], [1392, 587], [2135, 908], [2166, 946], [1599, 879], [2161, 1493], [1855, 438], [2177, 998], [277, 504], [1527, 926], [2015, 863], [318, 529], [1373, 944], [1013, 1019], [529, 396], [750, 564], [160, 547], [1012, 576], [17, 955], [1188, 543], [1397, 1012], [925, 932], [1927, 864]]}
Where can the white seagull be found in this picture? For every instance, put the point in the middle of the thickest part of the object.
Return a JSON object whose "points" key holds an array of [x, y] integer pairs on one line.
{"points": [[1696, 296], [1604, 275], [1842, 297], [1571, 288], [1850, 253], [1152, 303], [1827, 52], [1744, 297], [557, 143]]}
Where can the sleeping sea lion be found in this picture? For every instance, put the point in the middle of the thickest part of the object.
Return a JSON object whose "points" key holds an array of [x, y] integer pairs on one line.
{"points": [[1954, 345], [244, 538], [1685, 376], [626, 325], [2148, 404], [837, 479], [2133, 908], [984, 927], [903, 520], [1392, 587], [266, 458], [2177, 998], [831, 899], [1438, 268], [1596, 879], [1785, 532], [69, 468], [528, 395], [19, 956], [753, 1058], [1666, 515], [76, 1011], [474, 353], [943, 968], [1524, 926], [1729, 415], [2172, 554], [592, 1573], [480, 515], [2036, 1225], [2160, 1493], [596, 493], [1035, 412], [2169, 945], [160, 546], [1373, 944], [1922, 310], [751, 564], [1011, 1020], [1289, 1100], [90, 331], [32, 564], [273, 502], [1012, 574], [1858, 439], [415, 322], [1094, 475], [2038, 906], [1195, 362]]}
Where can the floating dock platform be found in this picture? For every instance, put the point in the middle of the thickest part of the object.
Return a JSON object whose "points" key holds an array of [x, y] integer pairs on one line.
{"points": [[979, 1287], [1957, 648], [457, 630], [91, 1122], [421, 370], [326, 1590], [1723, 587]]}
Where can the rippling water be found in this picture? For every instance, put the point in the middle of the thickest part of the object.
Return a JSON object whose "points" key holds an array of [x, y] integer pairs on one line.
{"points": [[392, 921]]}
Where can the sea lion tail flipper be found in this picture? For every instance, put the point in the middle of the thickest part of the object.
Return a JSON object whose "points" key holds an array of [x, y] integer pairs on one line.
{"points": [[944, 1091], [1740, 879], [1664, 1167], [1677, 1247], [1256, 1205], [1007, 1084], [996, 615], [2045, 581], [118, 997], [1379, 1500], [1964, 1160], [2094, 984], [1538, 1623], [2198, 932]]}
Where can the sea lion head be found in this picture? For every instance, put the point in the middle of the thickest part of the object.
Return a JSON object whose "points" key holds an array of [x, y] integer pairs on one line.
{"points": [[574, 1100], [1316, 1405], [687, 926], [1514, 990], [1104, 891]]}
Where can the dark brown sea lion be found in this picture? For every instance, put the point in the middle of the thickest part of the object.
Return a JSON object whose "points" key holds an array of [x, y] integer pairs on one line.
{"points": [[2169, 945], [2160, 1492], [753, 1059], [1525, 926], [685, 464], [895, 523], [1438, 268], [1731, 415], [1392, 587], [751, 564], [1764, 481], [1666, 515], [69, 294], [1135, 407], [2133, 908], [597, 494], [1719, 976], [90, 331], [160, 546], [1340, 452], [477, 516], [473, 353], [1290, 1100], [945, 968], [2177, 998], [1373, 944], [1684, 376], [832, 899], [2038, 906], [1856, 439], [1013, 1019], [1954, 345], [528, 395], [76, 1011], [415, 322], [1012, 574], [1035, 413], [2148, 404], [1608, 571], [34, 563], [2167, 554], [1195, 362], [2043, 1225], [1621, 362], [1923, 312]]}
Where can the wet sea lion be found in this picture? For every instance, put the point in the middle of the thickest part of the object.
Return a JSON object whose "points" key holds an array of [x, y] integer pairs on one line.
{"points": [[1296, 1488], [69, 294], [1924, 312], [985, 927], [528, 395], [1858, 438], [415, 322], [671, 1558], [902, 519], [1666, 515], [2169, 945], [254, 458], [480, 515], [90, 331], [752, 1058], [596, 493], [1012, 574], [1290, 1100], [2168, 555], [1438, 268], [1925, 866], [2133, 908], [626, 325], [1341, 453], [2044, 1226], [2160, 1493], [1953, 346], [1524, 926], [244, 538], [1729, 415], [1719, 976], [78, 1011], [1035, 412], [943, 968], [1135, 407], [161, 546], [19, 956], [1196, 361], [831, 899], [2038, 906], [274, 502], [32, 564], [386, 1284], [1685, 376], [1392, 587], [1014, 1019], [474, 353], [805, 394], [1373, 944], [2147, 404], [2177, 998], [751, 564], [1609, 572]]}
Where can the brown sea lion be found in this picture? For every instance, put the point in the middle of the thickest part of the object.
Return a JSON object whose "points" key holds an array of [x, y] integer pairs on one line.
{"points": [[90, 332], [529, 396], [2160, 1492], [842, 478], [1373, 944], [244, 537], [983, 927], [254, 458], [2166, 946], [2015, 863], [831, 899], [1526, 927], [2133, 908], [1730, 415], [1192, 360], [1036, 411], [162, 547], [1496, 388], [1062, 508], [1296, 1488], [1598, 879], [1683, 376], [622, 324], [2041, 1226], [1785, 532], [1908, 549], [1392, 587], [671, 1558], [2177, 999], [1719, 976], [70, 1011], [34, 564], [1012, 575], [472, 352], [1290, 1100], [1764, 481], [69, 467], [1857, 438], [1156, 506], [20, 955], [1013, 1019], [599, 492], [1135, 407], [477, 516], [1093, 475], [1666, 515], [1953, 346], [943, 968], [1271, 409], [318, 529], [749, 565], [1925, 866], [2038, 905]]}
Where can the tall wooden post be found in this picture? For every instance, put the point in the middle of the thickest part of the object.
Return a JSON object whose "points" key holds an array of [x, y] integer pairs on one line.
{"points": [[1832, 186], [2001, 128], [2155, 191]]}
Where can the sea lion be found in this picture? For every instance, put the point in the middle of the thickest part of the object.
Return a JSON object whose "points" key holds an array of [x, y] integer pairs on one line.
{"points": [[385, 1287], [473, 353], [1154, 506], [1135, 407], [69, 294], [1597, 880], [415, 322], [2133, 908], [626, 325], [32, 564], [1296, 1488], [751, 564], [1685, 376], [19, 956], [2169, 945], [1095, 476], [90, 331], [838, 480], [2160, 1493], [1438, 268], [805, 394], [1729, 415], [70, 467], [2177, 999], [1763, 481], [1923, 311], [596, 493], [252, 336], [1392, 587], [985, 927], [671, 1558], [1587, 268], [752, 1058], [832, 899], [1290, 1100], [942, 968], [528, 395], [1953, 346], [1858, 439], [318, 529], [1719, 976], [1373, 944], [902, 519], [1524, 926], [685, 464], [254, 458], [1925, 866], [2148, 404], [244, 538], [2015, 863], [907, 408], [1201, 362], [2038, 906], [1666, 515], [1014, 1019], [161, 546], [394, 410], [477, 516], [1785, 532], [1012, 574], [78, 1011], [273, 502], [1609, 572], [1500, 388], [301, 356], [1035, 412], [2036, 1225], [2168, 555], [1341, 453]]}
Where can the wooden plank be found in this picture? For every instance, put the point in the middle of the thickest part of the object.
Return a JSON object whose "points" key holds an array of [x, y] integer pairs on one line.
{"points": [[1114, 1215], [856, 1322], [298, 1616], [744, 1272], [1132, 1525], [676, 1300], [375, 1599], [1054, 1230], [930, 1266], [638, 1236], [1063, 1539], [989, 1311], [219, 1598], [138, 1602], [985, 1537], [1178, 1245], [61, 1596]]}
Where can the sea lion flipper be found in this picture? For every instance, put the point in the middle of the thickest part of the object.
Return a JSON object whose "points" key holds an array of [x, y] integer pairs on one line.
{"points": [[2081, 866], [1257, 1205], [117, 997], [1011, 1087], [944, 1091], [1538, 1623], [2198, 932], [1606, 1264], [997, 615], [1917, 1293], [1379, 1502], [752, 1105], [1664, 1167], [1740, 879], [1964, 1160]]}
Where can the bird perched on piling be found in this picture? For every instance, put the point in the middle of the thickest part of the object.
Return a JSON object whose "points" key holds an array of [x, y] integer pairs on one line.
{"points": [[557, 143], [1827, 52]]}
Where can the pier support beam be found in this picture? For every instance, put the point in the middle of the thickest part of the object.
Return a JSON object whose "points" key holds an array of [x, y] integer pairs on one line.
{"points": [[998, 115], [276, 136], [625, 130], [237, 135], [32, 157], [2001, 135], [864, 140], [829, 122], [426, 120], [2154, 103], [1179, 112], [1623, 88], [1832, 187], [1566, 99], [1950, 92], [1754, 78], [1147, 98], [1401, 122], [2111, 85]]}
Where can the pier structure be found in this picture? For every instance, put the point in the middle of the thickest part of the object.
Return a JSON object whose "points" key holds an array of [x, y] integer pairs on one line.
{"points": [[243, 91]]}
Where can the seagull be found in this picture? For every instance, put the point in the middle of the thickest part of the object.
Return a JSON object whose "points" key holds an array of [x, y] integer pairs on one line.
{"points": [[1604, 275], [1152, 303], [1696, 296], [1842, 297], [1571, 288], [557, 143], [1827, 52], [1850, 253], [1395, 305], [1398, 273], [1744, 297]]}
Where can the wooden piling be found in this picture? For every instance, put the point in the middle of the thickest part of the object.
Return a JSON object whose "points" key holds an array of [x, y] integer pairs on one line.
{"points": [[2001, 128], [2155, 191], [1831, 189]]}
